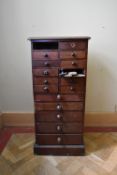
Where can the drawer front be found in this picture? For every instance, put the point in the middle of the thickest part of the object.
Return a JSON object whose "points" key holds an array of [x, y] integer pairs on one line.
{"points": [[74, 89], [45, 72], [72, 81], [44, 81], [59, 106], [54, 116], [73, 45], [54, 128], [74, 64], [45, 89], [60, 97], [73, 54], [45, 63], [41, 55], [57, 139]]}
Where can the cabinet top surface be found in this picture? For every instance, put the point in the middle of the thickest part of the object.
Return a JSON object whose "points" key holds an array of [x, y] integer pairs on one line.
{"points": [[59, 38]]}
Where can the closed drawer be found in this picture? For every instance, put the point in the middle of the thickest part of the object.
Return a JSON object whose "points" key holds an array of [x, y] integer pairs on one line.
{"points": [[73, 54], [54, 128], [45, 72], [59, 97], [72, 81], [59, 106], [41, 55], [44, 81], [45, 63], [57, 139], [45, 89], [71, 89], [74, 64], [54, 116], [73, 45]]}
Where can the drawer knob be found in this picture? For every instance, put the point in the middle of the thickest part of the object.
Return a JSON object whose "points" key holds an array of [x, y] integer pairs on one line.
{"points": [[73, 63], [45, 72], [45, 88], [59, 107], [58, 116], [58, 97], [73, 54], [58, 128], [46, 55], [73, 45], [71, 88], [59, 139], [46, 63], [45, 81]]}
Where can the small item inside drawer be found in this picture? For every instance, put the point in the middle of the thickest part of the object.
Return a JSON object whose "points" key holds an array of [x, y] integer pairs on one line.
{"points": [[72, 72]]}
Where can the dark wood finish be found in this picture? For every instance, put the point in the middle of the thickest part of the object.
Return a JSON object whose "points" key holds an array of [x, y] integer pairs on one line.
{"points": [[45, 72], [66, 128], [59, 106], [41, 55], [44, 81], [58, 139], [48, 98], [45, 89], [73, 45], [72, 55], [59, 102], [74, 64], [63, 116]]}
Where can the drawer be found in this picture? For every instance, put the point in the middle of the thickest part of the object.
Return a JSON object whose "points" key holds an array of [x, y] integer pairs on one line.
{"points": [[57, 139], [59, 106], [60, 97], [54, 116], [54, 128], [44, 81], [45, 72], [41, 55], [73, 45], [45, 63], [72, 81], [71, 89], [74, 64], [73, 55], [45, 89]]}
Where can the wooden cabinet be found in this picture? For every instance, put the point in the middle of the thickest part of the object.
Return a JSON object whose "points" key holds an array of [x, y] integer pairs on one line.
{"points": [[59, 71]]}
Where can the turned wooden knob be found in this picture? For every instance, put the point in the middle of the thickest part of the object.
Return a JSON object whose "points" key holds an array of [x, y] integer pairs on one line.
{"points": [[58, 128], [58, 116], [59, 107], [59, 139], [45, 72], [73, 54], [73, 63], [71, 88], [73, 45], [58, 97], [46, 63], [45, 88], [45, 81], [46, 55]]}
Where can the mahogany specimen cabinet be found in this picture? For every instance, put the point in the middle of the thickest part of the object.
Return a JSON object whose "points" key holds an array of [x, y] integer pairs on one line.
{"points": [[59, 71]]}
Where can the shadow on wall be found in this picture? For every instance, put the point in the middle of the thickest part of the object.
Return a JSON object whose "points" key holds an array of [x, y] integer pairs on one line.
{"points": [[100, 86]]}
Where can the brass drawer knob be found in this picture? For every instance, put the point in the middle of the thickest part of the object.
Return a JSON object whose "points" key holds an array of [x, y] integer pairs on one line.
{"points": [[58, 97], [45, 88], [59, 107], [59, 139], [58, 128], [45, 82], [45, 72], [58, 116]]}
